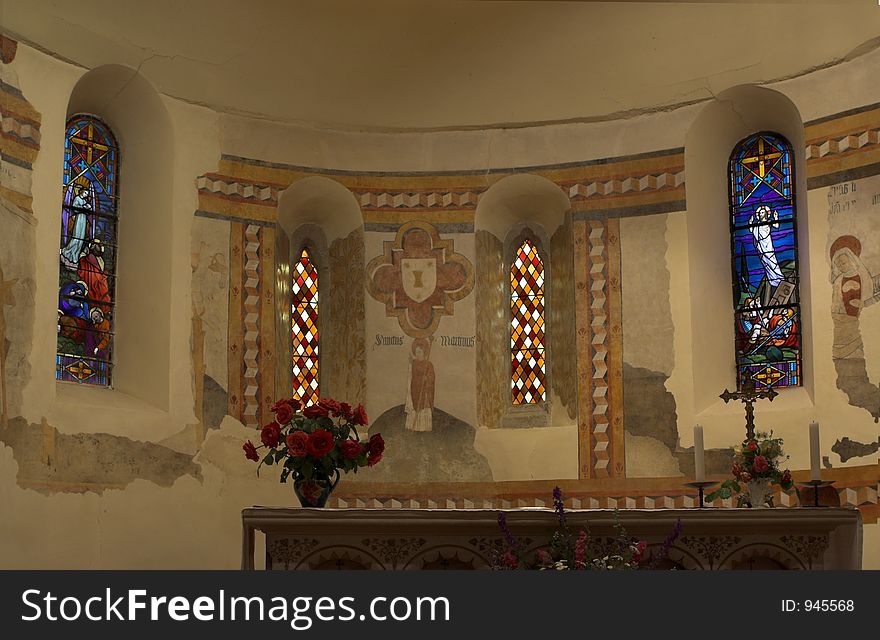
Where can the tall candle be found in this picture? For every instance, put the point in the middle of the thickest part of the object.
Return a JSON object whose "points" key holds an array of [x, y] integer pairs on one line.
{"points": [[814, 451], [699, 462]]}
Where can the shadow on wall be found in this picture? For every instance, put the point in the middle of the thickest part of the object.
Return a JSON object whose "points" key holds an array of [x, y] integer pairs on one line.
{"points": [[444, 454], [650, 412]]}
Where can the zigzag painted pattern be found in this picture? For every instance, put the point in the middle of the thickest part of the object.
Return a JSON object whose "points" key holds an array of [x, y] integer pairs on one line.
{"points": [[243, 189], [413, 200], [384, 200], [611, 187], [251, 324], [599, 327], [584, 350], [849, 142], [865, 496], [22, 130]]}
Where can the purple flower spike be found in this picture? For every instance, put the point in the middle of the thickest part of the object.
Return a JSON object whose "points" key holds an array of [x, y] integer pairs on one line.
{"points": [[559, 505], [506, 532]]}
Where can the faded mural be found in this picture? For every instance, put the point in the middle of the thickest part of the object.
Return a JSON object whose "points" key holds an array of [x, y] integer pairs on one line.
{"points": [[854, 256], [419, 278]]}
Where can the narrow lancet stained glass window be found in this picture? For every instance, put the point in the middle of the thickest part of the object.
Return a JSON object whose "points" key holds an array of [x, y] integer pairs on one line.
{"points": [[763, 238], [527, 326], [87, 260], [304, 329]]}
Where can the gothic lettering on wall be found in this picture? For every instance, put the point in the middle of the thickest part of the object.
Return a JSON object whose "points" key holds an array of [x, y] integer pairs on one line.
{"points": [[457, 341], [418, 278]]}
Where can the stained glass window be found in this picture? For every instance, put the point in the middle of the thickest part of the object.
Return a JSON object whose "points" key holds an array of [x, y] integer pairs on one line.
{"points": [[527, 326], [87, 261], [763, 238], [304, 329]]}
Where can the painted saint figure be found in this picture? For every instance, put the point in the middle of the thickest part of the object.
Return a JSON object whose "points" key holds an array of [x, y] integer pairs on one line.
{"points": [[91, 272], [98, 337], [761, 224], [419, 406]]}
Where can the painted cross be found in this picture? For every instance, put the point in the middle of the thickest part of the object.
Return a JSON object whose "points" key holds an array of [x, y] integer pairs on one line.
{"points": [[419, 277], [748, 395]]}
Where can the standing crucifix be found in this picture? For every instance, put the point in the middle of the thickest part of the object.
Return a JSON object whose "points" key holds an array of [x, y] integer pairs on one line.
{"points": [[748, 396]]}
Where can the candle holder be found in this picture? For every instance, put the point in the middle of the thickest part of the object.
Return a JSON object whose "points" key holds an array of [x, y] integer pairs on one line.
{"points": [[816, 485], [700, 486]]}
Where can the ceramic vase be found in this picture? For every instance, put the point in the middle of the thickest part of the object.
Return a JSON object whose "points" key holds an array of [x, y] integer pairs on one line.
{"points": [[759, 492], [315, 491]]}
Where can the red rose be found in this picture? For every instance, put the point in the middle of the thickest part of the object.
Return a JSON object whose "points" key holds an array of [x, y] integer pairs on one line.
{"points": [[320, 443], [736, 470], [351, 449], [293, 403], [752, 446], [296, 443], [360, 415], [315, 411], [283, 414], [760, 464], [786, 477], [639, 552], [271, 434], [331, 405], [375, 448], [376, 444], [345, 410], [250, 451]]}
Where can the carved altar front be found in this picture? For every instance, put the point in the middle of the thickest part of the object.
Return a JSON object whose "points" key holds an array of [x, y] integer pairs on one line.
{"points": [[407, 539]]}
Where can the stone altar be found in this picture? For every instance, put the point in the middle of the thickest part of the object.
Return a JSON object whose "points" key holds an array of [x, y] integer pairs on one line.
{"points": [[408, 539]]}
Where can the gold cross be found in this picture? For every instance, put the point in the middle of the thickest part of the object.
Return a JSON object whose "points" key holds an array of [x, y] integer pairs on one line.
{"points": [[90, 144], [762, 159]]}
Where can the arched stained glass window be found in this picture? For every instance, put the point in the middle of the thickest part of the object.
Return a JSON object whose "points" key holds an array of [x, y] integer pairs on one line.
{"points": [[304, 329], [763, 238], [527, 326], [87, 261]]}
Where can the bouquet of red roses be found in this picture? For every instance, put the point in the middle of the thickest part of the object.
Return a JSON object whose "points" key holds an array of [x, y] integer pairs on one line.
{"points": [[316, 442]]}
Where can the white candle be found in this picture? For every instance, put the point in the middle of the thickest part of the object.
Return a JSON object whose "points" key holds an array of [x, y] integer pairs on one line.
{"points": [[814, 452], [699, 462]]}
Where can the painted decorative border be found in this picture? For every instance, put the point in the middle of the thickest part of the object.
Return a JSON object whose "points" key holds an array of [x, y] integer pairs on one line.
{"points": [[583, 346], [19, 137], [844, 146], [858, 487]]}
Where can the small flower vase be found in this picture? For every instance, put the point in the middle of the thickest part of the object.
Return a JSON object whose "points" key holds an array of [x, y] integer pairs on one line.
{"points": [[759, 492], [315, 491]]}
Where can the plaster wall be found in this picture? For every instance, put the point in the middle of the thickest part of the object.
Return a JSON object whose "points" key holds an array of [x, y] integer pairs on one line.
{"points": [[669, 345]]}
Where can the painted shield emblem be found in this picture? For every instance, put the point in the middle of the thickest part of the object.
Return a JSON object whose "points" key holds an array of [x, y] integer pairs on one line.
{"points": [[419, 277]]}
